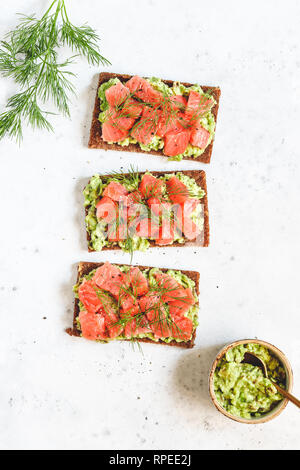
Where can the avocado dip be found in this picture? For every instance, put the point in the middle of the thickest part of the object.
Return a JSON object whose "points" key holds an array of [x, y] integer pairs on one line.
{"points": [[241, 389]]}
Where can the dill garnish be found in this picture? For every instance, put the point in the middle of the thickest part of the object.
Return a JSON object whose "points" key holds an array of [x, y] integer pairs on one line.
{"points": [[132, 178], [29, 55]]}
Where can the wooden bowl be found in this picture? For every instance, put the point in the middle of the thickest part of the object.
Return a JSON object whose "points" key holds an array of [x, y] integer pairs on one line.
{"points": [[278, 408]]}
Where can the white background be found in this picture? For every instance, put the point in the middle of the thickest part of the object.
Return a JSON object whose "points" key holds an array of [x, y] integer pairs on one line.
{"points": [[61, 392]]}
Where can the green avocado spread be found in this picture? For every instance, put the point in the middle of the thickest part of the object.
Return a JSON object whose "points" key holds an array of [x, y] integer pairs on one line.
{"points": [[241, 389], [149, 273], [157, 143], [97, 228]]}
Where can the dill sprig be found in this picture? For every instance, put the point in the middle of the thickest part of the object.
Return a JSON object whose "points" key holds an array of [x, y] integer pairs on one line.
{"points": [[132, 178], [29, 55]]}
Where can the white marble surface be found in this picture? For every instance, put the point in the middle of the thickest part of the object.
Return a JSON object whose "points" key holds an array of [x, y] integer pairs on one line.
{"points": [[60, 392]]}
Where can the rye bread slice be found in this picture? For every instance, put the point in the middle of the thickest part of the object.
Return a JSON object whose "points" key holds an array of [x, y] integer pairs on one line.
{"points": [[86, 267], [200, 178], [96, 142]]}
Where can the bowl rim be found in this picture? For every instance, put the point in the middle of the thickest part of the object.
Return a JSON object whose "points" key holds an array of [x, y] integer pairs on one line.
{"points": [[278, 408]]}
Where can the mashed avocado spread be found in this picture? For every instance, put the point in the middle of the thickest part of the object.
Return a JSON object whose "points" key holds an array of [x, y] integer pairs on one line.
{"points": [[181, 278], [241, 389], [157, 143], [97, 228]]}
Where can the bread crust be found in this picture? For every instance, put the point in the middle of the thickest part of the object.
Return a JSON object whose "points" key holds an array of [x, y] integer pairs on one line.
{"points": [[86, 267], [200, 178], [96, 141]]}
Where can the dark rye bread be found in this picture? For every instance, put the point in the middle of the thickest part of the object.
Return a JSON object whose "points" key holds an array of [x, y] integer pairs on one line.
{"points": [[86, 267], [200, 178], [96, 141]]}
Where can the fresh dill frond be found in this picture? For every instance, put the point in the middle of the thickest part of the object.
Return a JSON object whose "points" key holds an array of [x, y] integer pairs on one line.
{"points": [[132, 178], [136, 344], [129, 247], [29, 55]]}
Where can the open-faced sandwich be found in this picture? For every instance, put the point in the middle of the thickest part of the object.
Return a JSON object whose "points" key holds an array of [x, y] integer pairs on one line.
{"points": [[135, 210], [155, 116], [120, 302]]}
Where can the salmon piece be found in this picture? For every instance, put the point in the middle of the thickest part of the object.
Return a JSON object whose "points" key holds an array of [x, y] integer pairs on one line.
{"points": [[110, 278], [176, 142], [199, 136], [183, 212], [117, 94], [197, 106], [176, 312], [120, 120], [111, 133], [106, 209], [166, 233], [130, 199], [137, 326], [136, 211], [156, 314], [127, 301], [189, 206], [116, 126], [132, 108], [177, 190], [134, 198], [145, 129], [150, 186], [166, 229], [117, 231], [88, 296], [181, 306], [190, 229], [160, 208], [112, 323], [182, 328], [178, 101], [111, 318], [167, 124], [138, 282], [92, 325], [173, 117], [186, 226], [142, 89], [161, 327], [115, 191], [135, 310], [155, 205], [159, 322], [145, 227], [149, 301], [100, 325], [171, 289]]}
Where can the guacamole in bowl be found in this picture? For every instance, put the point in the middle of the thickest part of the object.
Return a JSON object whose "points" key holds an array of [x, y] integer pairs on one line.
{"points": [[240, 390]]}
